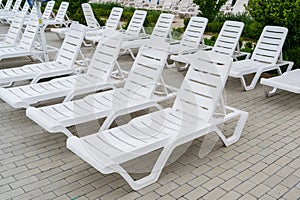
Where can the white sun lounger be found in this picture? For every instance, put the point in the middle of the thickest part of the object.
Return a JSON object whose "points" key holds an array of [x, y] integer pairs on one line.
{"points": [[191, 38], [111, 23], [11, 13], [63, 64], [24, 48], [61, 18], [14, 32], [161, 30], [226, 42], [266, 57], [135, 27], [137, 94], [7, 7], [289, 81], [46, 14], [97, 77], [191, 116]]}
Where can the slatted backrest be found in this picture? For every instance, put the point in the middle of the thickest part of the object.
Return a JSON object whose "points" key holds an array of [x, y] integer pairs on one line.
{"points": [[89, 16], [184, 4], [8, 5], [114, 18], [62, 11], [48, 10], [15, 29], [105, 55], [194, 32], [147, 68], [25, 8], [269, 45], [163, 26], [71, 45], [33, 12], [1, 4], [203, 84], [29, 34], [16, 6], [228, 38], [136, 23]]}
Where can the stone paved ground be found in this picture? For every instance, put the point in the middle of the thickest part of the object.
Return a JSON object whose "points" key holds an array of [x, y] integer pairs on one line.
{"points": [[263, 164]]}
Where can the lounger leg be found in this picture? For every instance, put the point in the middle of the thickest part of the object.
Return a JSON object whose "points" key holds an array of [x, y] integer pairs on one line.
{"points": [[153, 176], [269, 92], [253, 82], [243, 116]]}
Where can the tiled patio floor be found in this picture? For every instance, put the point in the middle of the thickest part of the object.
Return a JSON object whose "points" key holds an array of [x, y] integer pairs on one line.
{"points": [[264, 163]]}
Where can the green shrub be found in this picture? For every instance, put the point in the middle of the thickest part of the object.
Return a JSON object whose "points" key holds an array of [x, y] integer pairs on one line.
{"points": [[209, 8]]}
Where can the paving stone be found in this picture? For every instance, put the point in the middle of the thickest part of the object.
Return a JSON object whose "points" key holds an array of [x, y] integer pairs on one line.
{"points": [[244, 187]]}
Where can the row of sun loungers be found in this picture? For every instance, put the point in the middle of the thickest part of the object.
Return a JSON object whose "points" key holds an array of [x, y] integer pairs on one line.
{"points": [[193, 114]]}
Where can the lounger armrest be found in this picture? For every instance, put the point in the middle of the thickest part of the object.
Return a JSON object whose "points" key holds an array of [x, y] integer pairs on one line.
{"points": [[43, 120], [12, 99], [87, 89], [51, 74], [77, 146]]}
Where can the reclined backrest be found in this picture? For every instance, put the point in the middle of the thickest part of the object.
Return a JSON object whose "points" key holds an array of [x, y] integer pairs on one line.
{"points": [[62, 11], [136, 23], [29, 34], [163, 26], [16, 6], [147, 68], [71, 45], [194, 32], [15, 29], [114, 18], [228, 38], [202, 86], [89, 16], [48, 9], [269, 45], [8, 5], [105, 55]]}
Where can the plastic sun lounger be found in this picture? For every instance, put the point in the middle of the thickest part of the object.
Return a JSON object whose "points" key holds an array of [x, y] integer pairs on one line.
{"points": [[61, 18], [7, 7], [14, 32], [135, 27], [137, 94], [288, 81], [266, 57], [191, 38], [24, 48], [10, 13], [46, 14], [63, 64], [226, 42], [98, 77], [161, 31], [191, 116], [111, 23]]}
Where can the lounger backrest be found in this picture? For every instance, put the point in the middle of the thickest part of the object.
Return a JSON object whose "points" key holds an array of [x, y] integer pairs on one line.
{"points": [[1, 4], [48, 9], [228, 38], [25, 8], [16, 6], [71, 45], [15, 29], [163, 26], [167, 4], [269, 45], [29, 34], [89, 16], [62, 11], [202, 86], [136, 23], [147, 68], [33, 12], [114, 18], [194, 32], [105, 55], [8, 5]]}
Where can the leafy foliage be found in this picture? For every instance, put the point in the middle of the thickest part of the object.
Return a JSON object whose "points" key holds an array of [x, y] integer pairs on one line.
{"points": [[281, 13], [209, 8]]}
